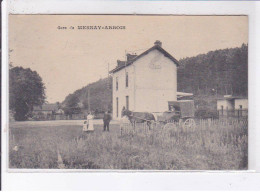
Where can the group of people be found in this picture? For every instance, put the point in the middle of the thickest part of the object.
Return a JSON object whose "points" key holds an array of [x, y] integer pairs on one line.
{"points": [[88, 125]]}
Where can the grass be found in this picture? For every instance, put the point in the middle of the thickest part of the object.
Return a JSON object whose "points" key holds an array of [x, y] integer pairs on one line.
{"points": [[214, 146]]}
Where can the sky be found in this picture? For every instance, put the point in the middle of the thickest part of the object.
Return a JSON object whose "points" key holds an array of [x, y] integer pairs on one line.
{"points": [[69, 59]]}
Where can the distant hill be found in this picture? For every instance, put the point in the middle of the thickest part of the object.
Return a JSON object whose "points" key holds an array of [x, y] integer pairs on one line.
{"points": [[98, 95], [208, 76], [218, 72]]}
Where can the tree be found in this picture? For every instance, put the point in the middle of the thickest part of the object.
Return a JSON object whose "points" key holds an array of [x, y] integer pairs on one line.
{"points": [[26, 90], [96, 96], [224, 70], [71, 105], [58, 105]]}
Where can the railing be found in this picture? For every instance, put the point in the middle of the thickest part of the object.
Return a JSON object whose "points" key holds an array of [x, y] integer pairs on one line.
{"points": [[49, 117], [233, 113]]}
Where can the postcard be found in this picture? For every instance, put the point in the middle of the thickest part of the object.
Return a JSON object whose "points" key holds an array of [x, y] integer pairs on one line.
{"points": [[128, 92]]}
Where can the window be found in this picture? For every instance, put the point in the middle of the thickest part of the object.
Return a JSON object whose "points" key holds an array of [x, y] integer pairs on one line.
{"points": [[117, 107], [116, 83], [240, 114], [222, 110], [126, 79], [127, 102]]}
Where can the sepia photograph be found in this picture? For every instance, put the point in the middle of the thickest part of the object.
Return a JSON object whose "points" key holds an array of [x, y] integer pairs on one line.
{"points": [[128, 92]]}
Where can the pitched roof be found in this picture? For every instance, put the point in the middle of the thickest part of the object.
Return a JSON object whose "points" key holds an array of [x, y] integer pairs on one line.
{"points": [[231, 97], [166, 54], [46, 107]]}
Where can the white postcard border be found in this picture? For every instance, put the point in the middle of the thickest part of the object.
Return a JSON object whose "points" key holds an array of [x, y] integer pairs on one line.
{"points": [[115, 180]]}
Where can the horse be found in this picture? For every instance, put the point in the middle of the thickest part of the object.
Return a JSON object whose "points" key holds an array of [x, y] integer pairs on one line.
{"points": [[139, 117]]}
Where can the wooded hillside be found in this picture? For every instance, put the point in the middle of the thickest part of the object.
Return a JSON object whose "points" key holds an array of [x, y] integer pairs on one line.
{"points": [[97, 95], [208, 76], [218, 72]]}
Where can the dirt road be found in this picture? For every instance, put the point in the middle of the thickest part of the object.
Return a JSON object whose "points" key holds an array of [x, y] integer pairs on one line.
{"points": [[57, 123]]}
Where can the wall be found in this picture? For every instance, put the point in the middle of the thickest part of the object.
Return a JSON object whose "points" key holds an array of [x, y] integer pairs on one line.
{"points": [[156, 82], [233, 105], [243, 102], [152, 82], [123, 91], [227, 104]]}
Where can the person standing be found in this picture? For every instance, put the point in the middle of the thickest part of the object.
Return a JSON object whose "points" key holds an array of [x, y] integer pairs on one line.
{"points": [[90, 118], [107, 118]]}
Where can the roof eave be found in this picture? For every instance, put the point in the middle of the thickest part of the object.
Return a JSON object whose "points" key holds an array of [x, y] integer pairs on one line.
{"points": [[166, 54]]}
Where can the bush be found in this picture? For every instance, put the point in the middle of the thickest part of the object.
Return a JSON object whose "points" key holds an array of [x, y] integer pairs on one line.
{"points": [[206, 114]]}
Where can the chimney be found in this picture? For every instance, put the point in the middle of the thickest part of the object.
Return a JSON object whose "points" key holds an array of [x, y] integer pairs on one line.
{"points": [[130, 57], [120, 63], [158, 43]]}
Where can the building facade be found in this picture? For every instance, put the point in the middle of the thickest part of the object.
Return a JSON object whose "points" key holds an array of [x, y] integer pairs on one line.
{"points": [[231, 106], [145, 82], [45, 112]]}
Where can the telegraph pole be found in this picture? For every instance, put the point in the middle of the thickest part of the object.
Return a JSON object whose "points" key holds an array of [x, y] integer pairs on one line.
{"points": [[108, 76], [88, 99], [125, 61], [108, 85]]}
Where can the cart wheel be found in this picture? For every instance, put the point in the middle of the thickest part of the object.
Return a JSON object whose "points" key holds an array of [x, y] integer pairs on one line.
{"points": [[189, 124], [170, 126]]}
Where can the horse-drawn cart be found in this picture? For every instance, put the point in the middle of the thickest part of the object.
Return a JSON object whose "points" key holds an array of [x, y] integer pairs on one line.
{"points": [[180, 113]]}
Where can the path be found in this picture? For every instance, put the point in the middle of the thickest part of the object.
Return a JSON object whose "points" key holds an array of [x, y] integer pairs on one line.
{"points": [[58, 122]]}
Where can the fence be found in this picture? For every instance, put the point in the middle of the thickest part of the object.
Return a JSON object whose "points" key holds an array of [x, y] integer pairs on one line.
{"points": [[233, 113], [48, 117]]}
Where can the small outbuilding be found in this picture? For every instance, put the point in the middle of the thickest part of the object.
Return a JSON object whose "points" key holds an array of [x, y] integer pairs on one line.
{"points": [[45, 112], [46, 109], [232, 106]]}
